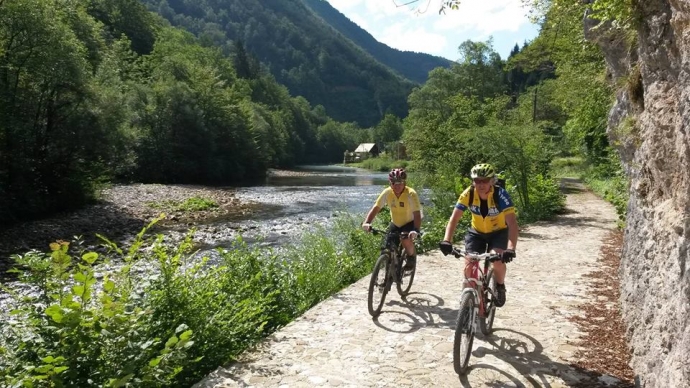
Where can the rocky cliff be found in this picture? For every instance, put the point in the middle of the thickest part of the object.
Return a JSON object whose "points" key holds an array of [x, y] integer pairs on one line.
{"points": [[650, 123]]}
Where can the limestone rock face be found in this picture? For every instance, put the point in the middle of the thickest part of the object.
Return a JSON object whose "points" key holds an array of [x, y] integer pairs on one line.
{"points": [[650, 123]]}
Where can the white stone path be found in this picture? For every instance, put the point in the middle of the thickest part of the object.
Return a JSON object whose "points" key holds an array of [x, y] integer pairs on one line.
{"points": [[338, 344]]}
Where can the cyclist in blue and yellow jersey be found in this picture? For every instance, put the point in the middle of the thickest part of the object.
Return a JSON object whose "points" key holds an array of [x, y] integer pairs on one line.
{"points": [[494, 224], [406, 211]]}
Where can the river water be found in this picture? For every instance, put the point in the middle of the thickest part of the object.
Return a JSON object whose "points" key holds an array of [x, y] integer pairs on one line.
{"points": [[306, 197]]}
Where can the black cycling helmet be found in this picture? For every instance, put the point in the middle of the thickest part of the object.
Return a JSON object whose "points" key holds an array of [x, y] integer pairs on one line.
{"points": [[397, 175], [483, 170]]}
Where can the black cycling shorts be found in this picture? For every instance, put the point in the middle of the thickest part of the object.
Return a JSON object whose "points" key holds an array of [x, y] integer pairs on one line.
{"points": [[476, 242], [405, 228], [393, 228]]}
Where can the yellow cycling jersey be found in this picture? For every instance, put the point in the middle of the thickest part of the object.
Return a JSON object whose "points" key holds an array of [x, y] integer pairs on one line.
{"points": [[496, 218], [401, 207]]}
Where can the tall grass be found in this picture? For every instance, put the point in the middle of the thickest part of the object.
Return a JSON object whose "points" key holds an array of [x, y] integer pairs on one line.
{"points": [[173, 320], [381, 164]]}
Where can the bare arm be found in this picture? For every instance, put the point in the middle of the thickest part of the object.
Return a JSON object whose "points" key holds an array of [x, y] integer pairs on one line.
{"points": [[511, 220], [417, 219], [452, 224], [372, 214]]}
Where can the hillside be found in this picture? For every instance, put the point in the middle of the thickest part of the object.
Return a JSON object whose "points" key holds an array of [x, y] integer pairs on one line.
{"points": [[412, 65], [300, 50]]}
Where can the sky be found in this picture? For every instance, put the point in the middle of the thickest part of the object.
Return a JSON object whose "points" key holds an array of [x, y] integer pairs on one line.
{"points": [[415, 27]]}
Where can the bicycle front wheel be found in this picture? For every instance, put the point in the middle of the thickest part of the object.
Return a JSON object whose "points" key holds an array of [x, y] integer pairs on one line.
{"points": [[377, 286], [405, 277], [464, 334], [486, 323]]}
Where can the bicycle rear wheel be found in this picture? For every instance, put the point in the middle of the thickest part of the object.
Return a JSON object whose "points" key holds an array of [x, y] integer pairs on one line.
{"points": [[406, 277], [377, 286], [486, 323], [464, 334]]}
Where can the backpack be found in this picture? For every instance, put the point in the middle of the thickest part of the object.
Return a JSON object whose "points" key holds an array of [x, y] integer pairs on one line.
{"points": [[500, 183]]}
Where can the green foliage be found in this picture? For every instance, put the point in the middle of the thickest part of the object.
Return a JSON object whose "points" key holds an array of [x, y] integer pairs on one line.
{"points": [[612, 186], [193, 204], [93, 320], [77, 329], [382, 163], [524, 155], [48, 108], [445, 188], [462, 117], [568, 167], [389, 129], [546, 198], [621, 12]]}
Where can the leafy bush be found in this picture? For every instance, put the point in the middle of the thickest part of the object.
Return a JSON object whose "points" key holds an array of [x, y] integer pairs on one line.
{"points": [[77, 329], [175, 318], [546, 200]]}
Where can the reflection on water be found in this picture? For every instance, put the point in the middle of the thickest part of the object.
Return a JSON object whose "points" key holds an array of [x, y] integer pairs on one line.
{"points": [[319, 176]]}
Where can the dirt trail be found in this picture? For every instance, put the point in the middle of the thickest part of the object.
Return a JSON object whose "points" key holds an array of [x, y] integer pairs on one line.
{"points": [[337, 343]]}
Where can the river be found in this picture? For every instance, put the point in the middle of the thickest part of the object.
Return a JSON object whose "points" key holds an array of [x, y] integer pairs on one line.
{"points": [[289, 204]]}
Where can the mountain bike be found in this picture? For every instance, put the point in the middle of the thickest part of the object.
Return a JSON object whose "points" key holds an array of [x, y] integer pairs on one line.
{"points": [[388, 270], [476, 304]]}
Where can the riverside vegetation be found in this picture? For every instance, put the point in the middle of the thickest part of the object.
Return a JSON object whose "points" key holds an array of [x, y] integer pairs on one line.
{"points": [[164, 317]]}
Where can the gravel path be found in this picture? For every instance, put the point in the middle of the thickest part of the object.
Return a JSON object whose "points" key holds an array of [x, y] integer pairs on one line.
{"points": [[537, 340]]}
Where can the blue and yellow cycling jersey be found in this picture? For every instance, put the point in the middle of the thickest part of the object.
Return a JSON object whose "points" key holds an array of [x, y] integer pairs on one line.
{"points": [[401, 207], [496, 218]]}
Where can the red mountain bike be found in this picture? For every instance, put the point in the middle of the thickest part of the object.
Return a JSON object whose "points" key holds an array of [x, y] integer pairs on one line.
{"points": [[476, 304]]}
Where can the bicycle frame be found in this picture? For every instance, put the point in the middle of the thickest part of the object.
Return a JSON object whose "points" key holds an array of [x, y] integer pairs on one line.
{"points": [[393, 247], [476, 283], [477, 280]]}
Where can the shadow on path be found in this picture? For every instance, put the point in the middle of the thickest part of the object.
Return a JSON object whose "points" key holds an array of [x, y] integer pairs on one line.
{"points": [[525, 355], [572, 186]]}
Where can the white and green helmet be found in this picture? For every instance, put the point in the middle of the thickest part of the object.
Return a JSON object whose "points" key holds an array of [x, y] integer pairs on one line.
{"points": [[483, 170]]}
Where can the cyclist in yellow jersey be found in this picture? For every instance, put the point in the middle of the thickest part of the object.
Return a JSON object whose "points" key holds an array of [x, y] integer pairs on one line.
{"points": [[406, 211], [494, 224]]}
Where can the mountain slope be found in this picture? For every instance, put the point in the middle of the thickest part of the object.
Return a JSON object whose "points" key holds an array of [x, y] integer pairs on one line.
{"points": [[300, 50], [412, 65]]}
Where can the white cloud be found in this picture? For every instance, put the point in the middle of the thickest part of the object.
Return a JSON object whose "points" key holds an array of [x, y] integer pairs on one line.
{"points": [[417, 39], [342, 5], [384, 8], [359, 20], [399, 26], [484, 16]]}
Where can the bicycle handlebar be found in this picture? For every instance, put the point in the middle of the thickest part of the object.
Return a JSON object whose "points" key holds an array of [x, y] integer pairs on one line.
{"points": [[461, 252], [403, 235]]}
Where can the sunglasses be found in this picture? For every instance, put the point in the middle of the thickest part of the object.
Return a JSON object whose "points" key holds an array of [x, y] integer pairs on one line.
{"points": [[481, 181], [397, 182]]}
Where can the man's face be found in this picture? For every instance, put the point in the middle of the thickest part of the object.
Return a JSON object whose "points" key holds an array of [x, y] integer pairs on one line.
{"points": [[398, 186], [483, 185]]}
